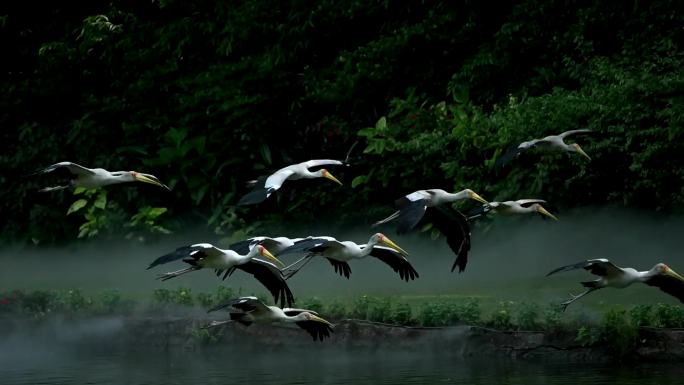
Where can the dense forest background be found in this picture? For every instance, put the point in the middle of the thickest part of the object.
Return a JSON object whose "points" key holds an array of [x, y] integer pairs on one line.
{"points": [[207, 95]]}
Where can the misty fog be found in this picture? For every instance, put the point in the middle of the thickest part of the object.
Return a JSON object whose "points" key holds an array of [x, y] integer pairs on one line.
{"points": [[508, 260]]}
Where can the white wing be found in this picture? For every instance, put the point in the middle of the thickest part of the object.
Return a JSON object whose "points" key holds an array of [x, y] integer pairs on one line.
{"points": [[276, 180], [528, 201], [418, 195], [72, 167], [321, 162], [529, 144], [573, 132], [208, 249], [297, 311]]}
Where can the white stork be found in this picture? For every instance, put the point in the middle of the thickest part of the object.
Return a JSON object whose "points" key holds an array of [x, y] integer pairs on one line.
{"points": [[248, 310], [205, 255], [273, 244], [339, 253], [423, 205], [551, 142], [97, 177], [521, 206], [660, 276], [265, 186]]}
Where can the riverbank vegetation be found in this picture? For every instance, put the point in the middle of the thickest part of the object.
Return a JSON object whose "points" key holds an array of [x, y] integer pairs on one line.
{"points": [[406, 311], [208, 95]]}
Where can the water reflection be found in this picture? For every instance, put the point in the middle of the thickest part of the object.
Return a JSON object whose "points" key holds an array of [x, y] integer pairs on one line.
{"points": [[228, 366]]}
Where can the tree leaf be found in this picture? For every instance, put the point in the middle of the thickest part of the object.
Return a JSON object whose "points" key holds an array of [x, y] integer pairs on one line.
{"points": [[381, 125], [101, 201], [359, 180], [79, 204]]}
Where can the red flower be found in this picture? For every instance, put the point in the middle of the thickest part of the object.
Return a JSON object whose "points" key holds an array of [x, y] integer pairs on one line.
{"points": [[4, 301]]}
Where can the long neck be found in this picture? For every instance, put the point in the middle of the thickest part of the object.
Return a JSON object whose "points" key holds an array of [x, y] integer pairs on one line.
{"points": [[369, 247], [453, 197], [311, 175], [120, 177], [643, 276], [247, 257], [292, 319]]}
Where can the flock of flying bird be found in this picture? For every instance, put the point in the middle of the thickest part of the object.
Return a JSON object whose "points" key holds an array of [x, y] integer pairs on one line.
{"points": [[259, 256]]}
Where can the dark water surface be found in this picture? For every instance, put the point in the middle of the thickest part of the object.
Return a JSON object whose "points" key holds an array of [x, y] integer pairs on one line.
{"points": [[35, 365]]}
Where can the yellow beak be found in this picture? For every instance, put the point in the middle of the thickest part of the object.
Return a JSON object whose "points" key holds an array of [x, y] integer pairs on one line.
{"points": [[542, 210], [393, 245], [151, 180], [319, 319], [270, 256], [473, 195], [332, 178], [673, 273], [581, 152]]}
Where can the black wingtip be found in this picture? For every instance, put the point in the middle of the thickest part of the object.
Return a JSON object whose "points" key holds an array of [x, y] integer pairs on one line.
{"points": [[255, 197]]}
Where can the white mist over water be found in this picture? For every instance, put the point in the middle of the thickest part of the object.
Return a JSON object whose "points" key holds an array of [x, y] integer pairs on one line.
{"points": [[508, 260]]}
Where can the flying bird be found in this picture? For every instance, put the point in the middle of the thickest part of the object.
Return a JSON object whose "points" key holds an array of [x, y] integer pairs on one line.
{"points": [[521, 206], [275, 245], [340, 253], [265, 186], [97, 177], [660, 276], [552, 142], [424, 205], [205, 255], [248, 310]]}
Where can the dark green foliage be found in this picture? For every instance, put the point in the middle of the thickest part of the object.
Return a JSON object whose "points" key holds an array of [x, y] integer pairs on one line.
{"points": [[207, 95], [205, 300], [312, 303], [502, 319], [401, 314], [336, 310], [71, 300], [619, 334], [588, 335], [359, 308], [527, 316], [668, 316], [37, 302], [552, 316], [380, 310], [223, 294], [642, 315]]}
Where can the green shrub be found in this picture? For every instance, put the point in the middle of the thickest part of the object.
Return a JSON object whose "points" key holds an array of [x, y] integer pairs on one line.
{"points": [[588, 336], [111, 301], [469, 313], [223, 294], [71, 300], [312, 303], [553, 316], [642, 315], [336, 310], [359, 308], [669, 316], [204, 336], [379, 309], [205, 300], [437, 313], [501, 319], [38, 302], [162, 296], [401, 314], [182, 296], [527, 316], [619, 334]]}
